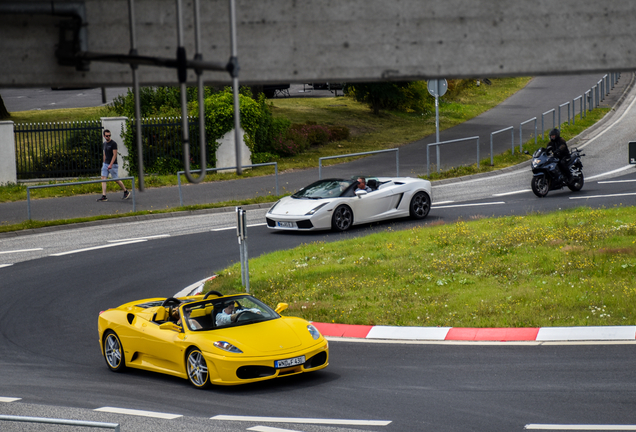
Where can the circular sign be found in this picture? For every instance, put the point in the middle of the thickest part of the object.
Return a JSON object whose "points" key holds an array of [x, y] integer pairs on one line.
{"points": [[437, 87]]}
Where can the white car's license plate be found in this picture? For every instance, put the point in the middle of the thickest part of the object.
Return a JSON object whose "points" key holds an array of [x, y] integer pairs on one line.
{"points": [[289, 362], [286, 224]]}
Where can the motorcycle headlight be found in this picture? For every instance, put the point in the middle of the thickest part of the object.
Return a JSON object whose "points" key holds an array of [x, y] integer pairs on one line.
{"points": [[315, 209], [226, 346], [313, 331], [535, 162]]}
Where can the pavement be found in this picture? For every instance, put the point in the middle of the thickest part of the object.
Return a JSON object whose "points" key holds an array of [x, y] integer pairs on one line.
{"points": [[539, 96]]}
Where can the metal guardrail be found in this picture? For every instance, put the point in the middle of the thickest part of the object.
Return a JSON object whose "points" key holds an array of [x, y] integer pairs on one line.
{"points": [[512, 141], [397, 159], [227, 168], [428, 163], [561, 106], [553, 111], [78, 183], [65, 422], [521, 132]]}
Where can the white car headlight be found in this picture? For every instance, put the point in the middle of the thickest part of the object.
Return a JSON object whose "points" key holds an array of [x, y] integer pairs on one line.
{"points": [[315, 209], [226, 346], [313, 331]]}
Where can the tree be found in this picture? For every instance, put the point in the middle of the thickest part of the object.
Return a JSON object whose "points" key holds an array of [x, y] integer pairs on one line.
{"points": [[4, 114], [379, 95]]}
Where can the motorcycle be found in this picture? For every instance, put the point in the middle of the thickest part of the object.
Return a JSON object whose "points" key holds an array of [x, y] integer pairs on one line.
{"points": [[547, 175]]}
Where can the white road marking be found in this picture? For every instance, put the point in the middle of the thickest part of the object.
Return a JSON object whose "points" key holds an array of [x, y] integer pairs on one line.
{"points": [[512, 193], [616, 181], [9, 399], [441, 202], [5, 265], [610, 126], [139, 238], [581, 427], [96, 247], [233, 227], [472, 205], [604, 196], [626, 167], [302, 420], [139, 413], [20, 251], [269, 429]]}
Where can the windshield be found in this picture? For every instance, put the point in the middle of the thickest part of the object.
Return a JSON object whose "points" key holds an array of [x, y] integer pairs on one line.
{"points": [[328, 188], [226, 312]]}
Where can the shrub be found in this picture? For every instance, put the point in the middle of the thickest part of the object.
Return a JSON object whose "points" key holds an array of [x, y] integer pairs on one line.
{"points": [[314, 134], [258, 158], [338, 133]]}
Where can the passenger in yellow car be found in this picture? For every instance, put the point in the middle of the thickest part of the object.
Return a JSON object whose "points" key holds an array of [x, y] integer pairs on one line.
{"points": [[229, 315]]}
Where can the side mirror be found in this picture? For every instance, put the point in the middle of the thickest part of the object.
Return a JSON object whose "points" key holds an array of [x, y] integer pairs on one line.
{"points": [[170, 326], [281, 307], [360, 193]]}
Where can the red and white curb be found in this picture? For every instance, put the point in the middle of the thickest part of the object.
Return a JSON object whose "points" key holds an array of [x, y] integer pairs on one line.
{"points": [[538, 334]]}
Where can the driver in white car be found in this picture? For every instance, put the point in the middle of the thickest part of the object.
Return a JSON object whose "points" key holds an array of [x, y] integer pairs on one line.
{"points": [[229, 315]]}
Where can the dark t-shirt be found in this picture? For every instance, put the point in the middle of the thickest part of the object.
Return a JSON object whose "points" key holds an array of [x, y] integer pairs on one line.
{"points": [[108, 150]]}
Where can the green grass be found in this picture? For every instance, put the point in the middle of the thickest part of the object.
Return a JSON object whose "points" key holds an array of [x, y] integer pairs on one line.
{"points": [[568, 268]]}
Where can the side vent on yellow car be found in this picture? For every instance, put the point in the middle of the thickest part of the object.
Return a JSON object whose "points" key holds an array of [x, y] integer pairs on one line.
{"points": [[131, 318]]}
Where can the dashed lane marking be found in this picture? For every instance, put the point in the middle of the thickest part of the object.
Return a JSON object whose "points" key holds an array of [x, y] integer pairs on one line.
{"points": [[233, 227], [140, 238], [269, 429], [5, 265], [97, 247], [603, 196], [139, 413], [513, 193], [21, 251], [580, 427], [471, 205], [257, 419], [9, 399]]}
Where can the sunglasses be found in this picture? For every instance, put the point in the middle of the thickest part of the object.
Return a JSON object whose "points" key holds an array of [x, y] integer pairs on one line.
{"points": [[107, 136]]}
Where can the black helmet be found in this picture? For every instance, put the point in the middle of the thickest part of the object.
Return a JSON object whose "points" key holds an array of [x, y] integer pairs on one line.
{"points": [[556, 133]]}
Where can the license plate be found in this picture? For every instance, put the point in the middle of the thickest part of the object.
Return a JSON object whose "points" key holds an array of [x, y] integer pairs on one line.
{"points": [[286, 224], [289, 362]]}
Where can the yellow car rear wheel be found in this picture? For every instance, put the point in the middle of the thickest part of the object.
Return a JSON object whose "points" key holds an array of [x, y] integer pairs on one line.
{"points": [[113, 352], [197, 369]]}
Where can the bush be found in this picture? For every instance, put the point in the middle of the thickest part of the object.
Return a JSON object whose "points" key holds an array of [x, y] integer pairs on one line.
{"points": [[314, 134], [338, 133], [258, 158], [290, 144]]}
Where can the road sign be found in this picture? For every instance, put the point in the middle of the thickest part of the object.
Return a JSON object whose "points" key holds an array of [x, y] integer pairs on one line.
{"points": [[437, 87]]}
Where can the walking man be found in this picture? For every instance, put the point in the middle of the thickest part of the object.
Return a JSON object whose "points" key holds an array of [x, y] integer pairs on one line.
{"points": [[110, 165]]}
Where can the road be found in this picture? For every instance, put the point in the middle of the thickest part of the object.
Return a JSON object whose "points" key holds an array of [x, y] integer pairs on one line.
{"points": [[52, 363]]}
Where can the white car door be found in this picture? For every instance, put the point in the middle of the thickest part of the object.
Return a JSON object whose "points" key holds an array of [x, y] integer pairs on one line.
{"points": [[376, 205]]}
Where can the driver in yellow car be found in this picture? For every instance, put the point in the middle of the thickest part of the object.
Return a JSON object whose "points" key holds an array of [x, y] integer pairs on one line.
{"points": [[229, 315]]}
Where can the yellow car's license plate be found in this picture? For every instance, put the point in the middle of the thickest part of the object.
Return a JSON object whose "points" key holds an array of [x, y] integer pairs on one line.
{"points": [[289, 362]]}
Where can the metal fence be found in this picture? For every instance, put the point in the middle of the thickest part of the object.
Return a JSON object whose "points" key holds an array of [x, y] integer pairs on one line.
{"points": [[58, 149]]}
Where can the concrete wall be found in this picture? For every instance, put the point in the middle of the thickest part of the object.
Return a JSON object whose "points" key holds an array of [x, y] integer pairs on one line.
{"points": [[8, 170], [226, 153], [331, 40]]}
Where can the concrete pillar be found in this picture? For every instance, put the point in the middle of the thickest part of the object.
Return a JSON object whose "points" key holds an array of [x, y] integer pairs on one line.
{"points": [[8, 169], [226, 153], [117, 128]]}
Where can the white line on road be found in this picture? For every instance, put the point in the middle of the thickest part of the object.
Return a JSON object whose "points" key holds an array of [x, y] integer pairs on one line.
{"points": [[442, 202], [513, 193], [609, 172], [470, 205], [139, 413], [96, 247], [139, 238], [20, 251], [302, 420], [9, 399], [604, 196], [233, 227], [616, 181], [581, 427], [269, 429], [5, 265]]}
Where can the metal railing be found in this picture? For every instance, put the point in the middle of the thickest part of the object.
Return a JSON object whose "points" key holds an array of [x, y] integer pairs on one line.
{"points": [[428, 163], [58, 149], [78, 183], [397, 159], [561, 106], [227, 168], [521, 132], [553, 111], [512, 141], [64, 422]]}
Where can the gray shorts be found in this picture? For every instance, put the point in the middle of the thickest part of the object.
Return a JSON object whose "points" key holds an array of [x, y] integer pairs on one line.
{"points": [[113, 171]]}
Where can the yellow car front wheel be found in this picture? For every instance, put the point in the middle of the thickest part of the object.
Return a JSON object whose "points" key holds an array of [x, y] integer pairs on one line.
{"points": [[197, 369], [113, 352]]}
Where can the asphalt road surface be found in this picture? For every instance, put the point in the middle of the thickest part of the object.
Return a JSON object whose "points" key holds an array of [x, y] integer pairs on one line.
{"points": [[54, 289]]}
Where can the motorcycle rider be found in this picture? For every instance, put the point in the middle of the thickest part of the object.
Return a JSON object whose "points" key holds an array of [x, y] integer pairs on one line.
{"points": [[559, 148]]}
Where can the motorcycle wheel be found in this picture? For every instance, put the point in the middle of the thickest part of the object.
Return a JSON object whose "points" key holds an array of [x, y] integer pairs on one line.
{"points": [[540, 186], [577, 183]]}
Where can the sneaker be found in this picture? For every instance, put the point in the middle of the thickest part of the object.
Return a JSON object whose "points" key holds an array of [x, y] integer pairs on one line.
{"points": [[103, 198], [126, 195]]}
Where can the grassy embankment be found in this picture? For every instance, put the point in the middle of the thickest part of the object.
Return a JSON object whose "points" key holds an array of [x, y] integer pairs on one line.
{"points": [[568, 268]]}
